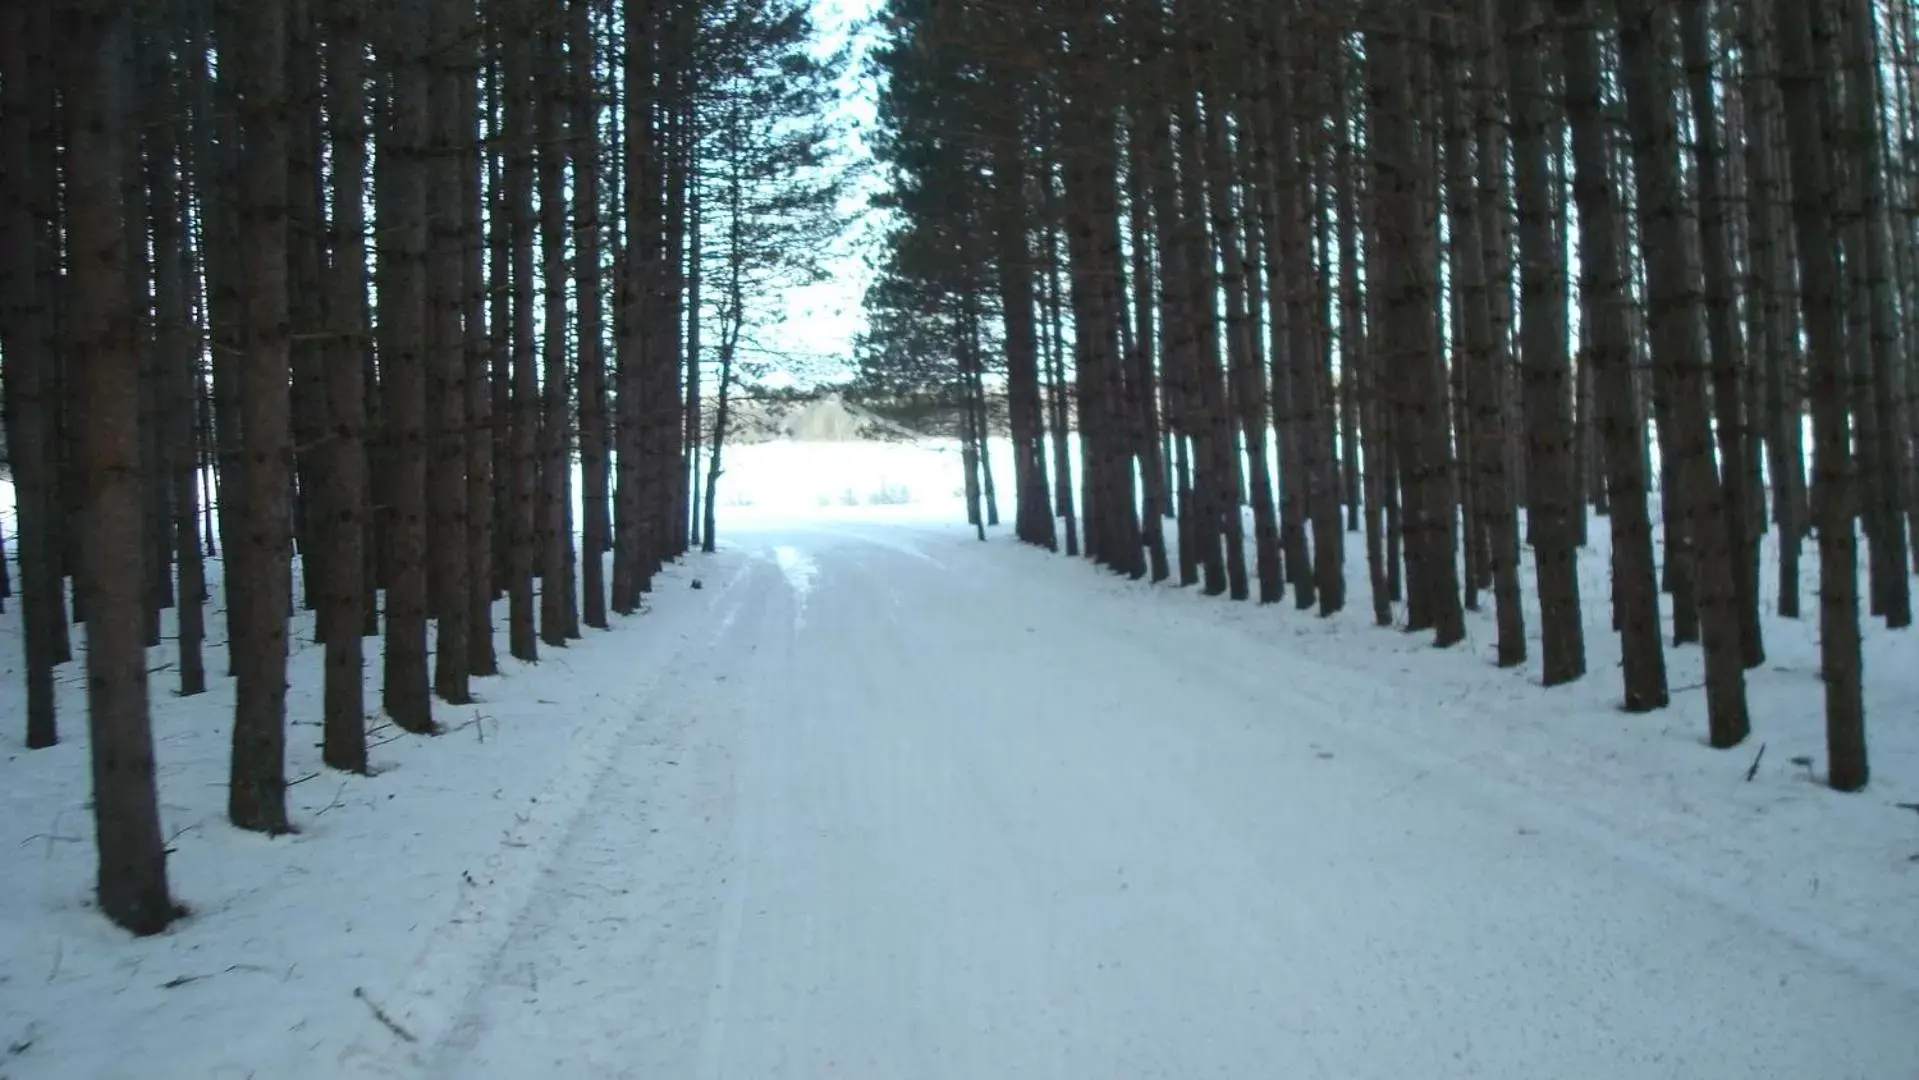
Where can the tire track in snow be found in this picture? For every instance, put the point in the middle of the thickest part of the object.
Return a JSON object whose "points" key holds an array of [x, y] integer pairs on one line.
{"points": [[462, 955], [726, 951], [1256, 668], [800, 571], [607, 973]]}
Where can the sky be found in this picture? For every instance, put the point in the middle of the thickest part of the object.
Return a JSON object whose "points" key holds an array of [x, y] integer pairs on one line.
{"points": [[814, 340]]}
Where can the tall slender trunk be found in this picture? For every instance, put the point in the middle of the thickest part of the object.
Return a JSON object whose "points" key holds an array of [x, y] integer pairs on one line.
{"points": [[481, 302], [732, 315], [403, 374], [1805, 39], [26, 104], [1062, 409], [522, 461], [1319, 460], [306, 261], [344, 498], [1769, 271], [1408, 341], [1247, 395], [155, 552], [446, 358], [695, 277], [1731, 411], [629, 531], [551, 535], [596, 528], [1883, 428], [132, 872], [1603, 288], [256, 796], [1033, 518], [178, 345], [1485, 444], [1153, 465], [1672, 300]]}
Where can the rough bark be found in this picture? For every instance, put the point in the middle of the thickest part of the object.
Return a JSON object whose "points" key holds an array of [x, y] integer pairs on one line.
{"points": [[1492, 498], [446, 358], [522, 462], [1731, 413], [1408, 342], [406, 692], [550, 532], [132, 875], [596, 528], [256, 795], [1603, 285], [1804, 79], [26, 103], [344, 497], [178, 347], [1673, 303]]}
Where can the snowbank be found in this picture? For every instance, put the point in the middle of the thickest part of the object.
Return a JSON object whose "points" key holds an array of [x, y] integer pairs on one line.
{"points": [[396, 887]]}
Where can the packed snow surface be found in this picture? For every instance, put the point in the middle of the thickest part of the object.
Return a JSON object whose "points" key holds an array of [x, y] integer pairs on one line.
{"points": [[881, 801]]}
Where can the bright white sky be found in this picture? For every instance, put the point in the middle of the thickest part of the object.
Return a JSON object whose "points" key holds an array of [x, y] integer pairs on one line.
{"points": [[816, 333]]}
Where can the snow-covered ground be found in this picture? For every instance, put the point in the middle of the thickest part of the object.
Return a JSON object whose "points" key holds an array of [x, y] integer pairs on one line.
{"points": [[880, 801], [786, 477]]}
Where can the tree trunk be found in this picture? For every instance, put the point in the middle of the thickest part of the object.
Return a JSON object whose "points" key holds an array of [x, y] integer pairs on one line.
{"points": [[256, 796], [1492, 496], [481, 302], [1033, 518], [344, 497], [596, 529], [522, 462], [1672, 301], [178, 346], [1882, 438], [1248, 395], [1768, 266], [1728, 362], [1805, 40], [1604, 289], [1408, 341], [446, 356], [403, 373], [550, 532], [132, 882], [26, 103]]}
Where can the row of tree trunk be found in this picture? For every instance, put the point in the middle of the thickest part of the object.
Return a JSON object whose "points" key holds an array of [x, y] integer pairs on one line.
{"points": [[317, 290], [1449, 276]]}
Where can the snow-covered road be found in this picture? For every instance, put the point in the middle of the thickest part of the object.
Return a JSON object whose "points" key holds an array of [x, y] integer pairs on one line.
{"points": [[921, 808]]}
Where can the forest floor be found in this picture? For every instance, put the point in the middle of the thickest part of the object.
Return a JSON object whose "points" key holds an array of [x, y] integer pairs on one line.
{"points": [[880, 801]]}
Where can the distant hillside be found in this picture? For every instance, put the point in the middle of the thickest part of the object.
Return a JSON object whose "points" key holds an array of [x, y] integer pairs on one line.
{"points": [[825, 417]]}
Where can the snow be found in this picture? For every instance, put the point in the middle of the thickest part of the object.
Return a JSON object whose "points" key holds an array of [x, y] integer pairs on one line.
{"points": [[395, 884], [790, 477], [881, 801]]}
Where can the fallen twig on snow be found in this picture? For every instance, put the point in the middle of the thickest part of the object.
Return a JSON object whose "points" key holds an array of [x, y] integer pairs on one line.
{"points": [[1756, 758], [181, 980], [336, 800], [478, 724], [380, 1015], [177, 834], [50, 838]]}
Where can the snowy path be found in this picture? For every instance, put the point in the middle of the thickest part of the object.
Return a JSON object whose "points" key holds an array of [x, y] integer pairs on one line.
{"points": [[930, 809]]}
